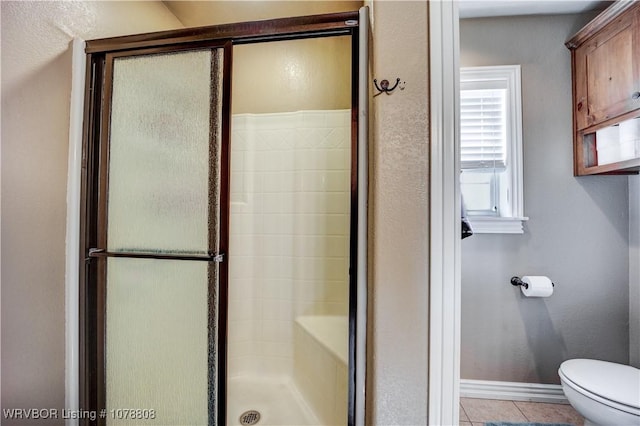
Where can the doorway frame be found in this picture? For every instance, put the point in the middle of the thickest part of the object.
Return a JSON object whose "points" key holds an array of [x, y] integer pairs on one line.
{"points": [[347, 23], [445, 213]]}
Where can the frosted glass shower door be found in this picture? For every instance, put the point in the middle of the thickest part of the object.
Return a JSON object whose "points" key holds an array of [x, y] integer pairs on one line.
{"points": [[160, 177], [160, 153]]}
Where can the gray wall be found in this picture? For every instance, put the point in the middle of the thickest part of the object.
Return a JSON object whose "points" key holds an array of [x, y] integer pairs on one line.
{"points": [[634, 271], [577, 234]]}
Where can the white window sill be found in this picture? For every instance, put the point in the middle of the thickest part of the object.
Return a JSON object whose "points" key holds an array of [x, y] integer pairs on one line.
{"points": [[497, 225]]}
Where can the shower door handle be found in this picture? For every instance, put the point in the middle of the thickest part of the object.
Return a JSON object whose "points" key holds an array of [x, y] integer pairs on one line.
{"points": [[209, 257]]}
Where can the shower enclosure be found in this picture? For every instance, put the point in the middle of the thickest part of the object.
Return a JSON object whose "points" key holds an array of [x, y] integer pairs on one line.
{"points": [[223, 216], [289, 234]]}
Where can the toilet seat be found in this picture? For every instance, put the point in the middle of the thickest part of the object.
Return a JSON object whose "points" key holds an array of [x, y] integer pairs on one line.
{"points": [[615, 385]]}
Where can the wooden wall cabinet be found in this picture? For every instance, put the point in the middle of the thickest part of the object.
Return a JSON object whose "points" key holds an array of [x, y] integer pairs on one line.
{"points": [[605, 57]]}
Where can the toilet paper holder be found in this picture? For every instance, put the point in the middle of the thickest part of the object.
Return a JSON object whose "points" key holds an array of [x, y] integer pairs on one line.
{"points": [[517, 281]]}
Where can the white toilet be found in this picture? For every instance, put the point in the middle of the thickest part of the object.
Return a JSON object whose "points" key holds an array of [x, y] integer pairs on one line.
{"points": [[604, 393]]}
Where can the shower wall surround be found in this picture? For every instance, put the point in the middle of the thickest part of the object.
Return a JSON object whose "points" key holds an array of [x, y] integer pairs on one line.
{"points": [[289, 232]]}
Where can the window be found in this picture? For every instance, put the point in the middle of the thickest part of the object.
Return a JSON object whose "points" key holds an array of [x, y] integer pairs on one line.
{"points": [[491, 148]]}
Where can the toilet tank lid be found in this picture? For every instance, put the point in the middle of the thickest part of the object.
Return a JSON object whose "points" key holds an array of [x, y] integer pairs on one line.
{"points": [[616, 382]]}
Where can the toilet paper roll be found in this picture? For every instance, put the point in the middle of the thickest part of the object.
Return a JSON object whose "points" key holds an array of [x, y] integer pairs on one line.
{"points": [[538, 286]]}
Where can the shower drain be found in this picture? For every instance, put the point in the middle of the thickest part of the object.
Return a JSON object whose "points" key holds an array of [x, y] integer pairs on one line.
{"points": [[249, 418]]}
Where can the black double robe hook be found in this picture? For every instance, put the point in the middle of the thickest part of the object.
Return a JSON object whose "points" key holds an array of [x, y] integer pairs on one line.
{"points": [[384, 86]]}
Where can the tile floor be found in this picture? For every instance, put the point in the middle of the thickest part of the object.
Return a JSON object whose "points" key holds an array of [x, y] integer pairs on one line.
{"points": [[474, 412]]}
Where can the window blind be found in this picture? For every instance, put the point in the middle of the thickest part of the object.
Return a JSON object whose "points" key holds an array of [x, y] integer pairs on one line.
{"points": [[483, 131]]}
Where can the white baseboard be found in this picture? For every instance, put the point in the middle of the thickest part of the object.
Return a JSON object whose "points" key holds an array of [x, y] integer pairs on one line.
{"points": [[513, 391]]}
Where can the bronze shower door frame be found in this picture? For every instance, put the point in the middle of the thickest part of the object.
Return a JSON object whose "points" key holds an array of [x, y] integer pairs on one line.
{"points": [[94, 184]]}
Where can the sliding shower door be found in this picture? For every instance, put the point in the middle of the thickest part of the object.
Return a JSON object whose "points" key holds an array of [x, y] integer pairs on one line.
{"points": [[155, 263], [219, 239]]}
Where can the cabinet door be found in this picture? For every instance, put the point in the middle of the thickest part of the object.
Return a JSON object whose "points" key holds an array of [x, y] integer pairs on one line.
{"points": [[608, 67]]}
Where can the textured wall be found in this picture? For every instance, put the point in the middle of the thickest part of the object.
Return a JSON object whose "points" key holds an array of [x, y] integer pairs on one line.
{"points": [[199, 13], [36, 85], [36, 78], [293, 75], [399, 218], [577, 233]]}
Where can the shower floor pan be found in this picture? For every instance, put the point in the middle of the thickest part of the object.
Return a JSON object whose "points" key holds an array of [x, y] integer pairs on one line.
{"points": [[277, 400]]}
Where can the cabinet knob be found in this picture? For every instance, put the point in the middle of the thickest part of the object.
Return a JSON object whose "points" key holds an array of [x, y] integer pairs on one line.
{"points": [[635, 96], [579, 106]]}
